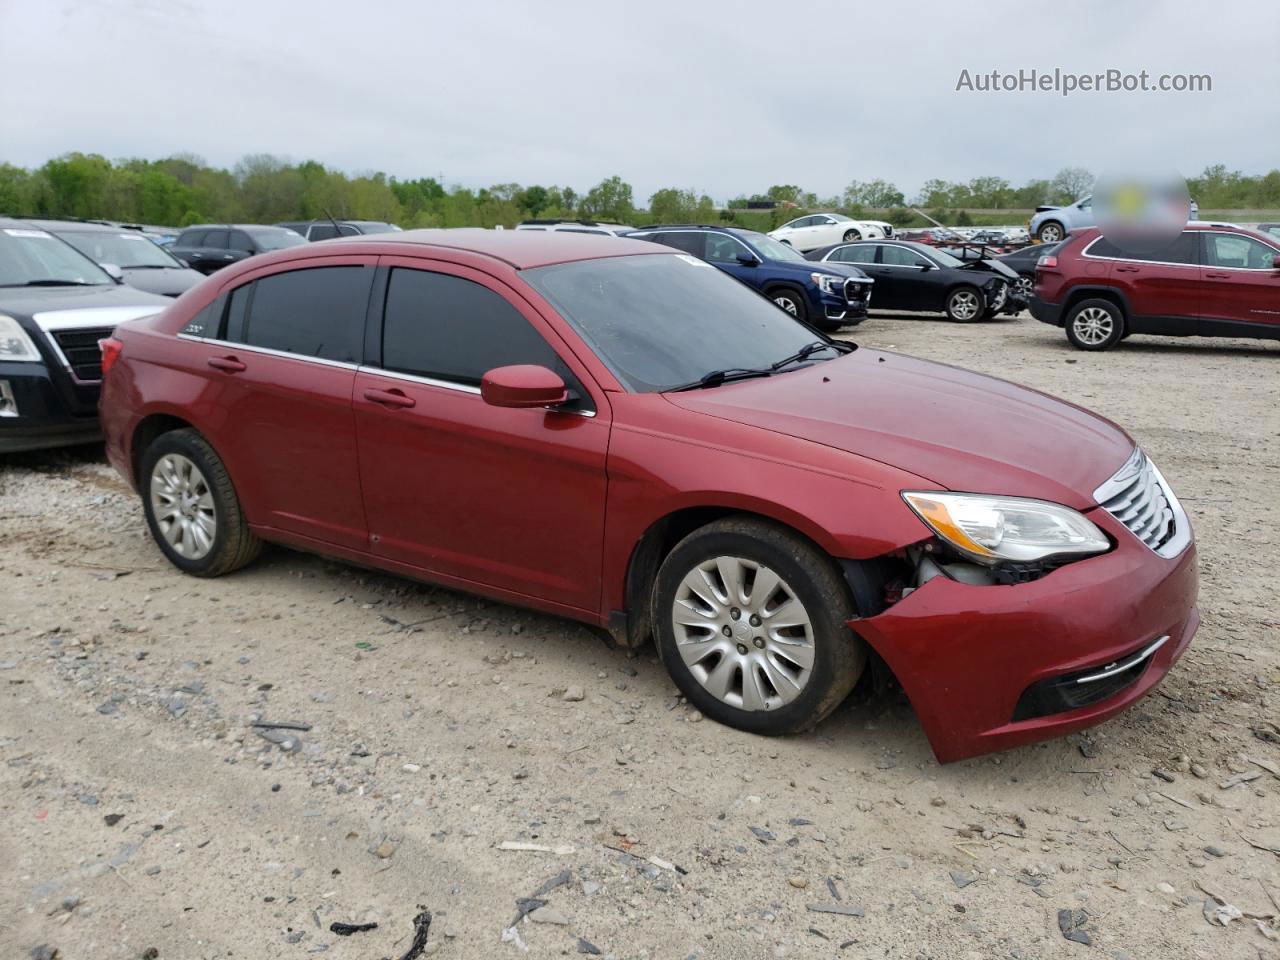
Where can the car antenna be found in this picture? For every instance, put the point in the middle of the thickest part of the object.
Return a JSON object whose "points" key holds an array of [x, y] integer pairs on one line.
{"points": [[337, 230]]}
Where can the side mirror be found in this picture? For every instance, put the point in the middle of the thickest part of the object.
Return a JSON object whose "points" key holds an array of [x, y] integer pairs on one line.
{"points": [[114, 272], [748, 260], [522, 385], [925, 267]]}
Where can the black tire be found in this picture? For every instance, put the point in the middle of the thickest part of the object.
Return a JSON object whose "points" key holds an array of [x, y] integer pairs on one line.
{"points": [[798, 308], [852, 234], [965, 304], [839, 656], [1051, 231], [1095, 325], [233, 545]]}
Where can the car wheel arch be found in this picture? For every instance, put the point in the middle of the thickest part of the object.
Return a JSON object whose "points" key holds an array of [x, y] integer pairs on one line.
{"points": [[632, 627], [1098, 292], [785, 286], [149, 429]]}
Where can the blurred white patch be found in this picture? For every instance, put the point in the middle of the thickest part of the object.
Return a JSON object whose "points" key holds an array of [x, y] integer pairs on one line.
{"points": [[1141, 213]]}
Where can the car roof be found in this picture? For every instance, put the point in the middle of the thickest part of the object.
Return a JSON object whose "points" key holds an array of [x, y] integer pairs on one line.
{"points": [[522, 249], [54, 225], [735, 231], [235, 226]]}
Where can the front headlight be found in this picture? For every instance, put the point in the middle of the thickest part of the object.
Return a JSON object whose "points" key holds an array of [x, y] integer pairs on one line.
{"points": [[828, 283], [991, 529], [14, 342]]}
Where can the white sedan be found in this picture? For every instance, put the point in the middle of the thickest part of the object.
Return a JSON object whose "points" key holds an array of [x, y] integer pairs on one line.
{"points": [[823, 229]]}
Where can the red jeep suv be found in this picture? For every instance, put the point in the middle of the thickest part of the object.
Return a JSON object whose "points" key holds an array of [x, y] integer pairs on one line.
{"points": [[1215, 280], [615, 431]]}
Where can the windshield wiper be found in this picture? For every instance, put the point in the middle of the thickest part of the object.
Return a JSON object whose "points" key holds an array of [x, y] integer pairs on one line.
{"points": [[716, 377], [805, 352], [54, 283], [147, 266]]}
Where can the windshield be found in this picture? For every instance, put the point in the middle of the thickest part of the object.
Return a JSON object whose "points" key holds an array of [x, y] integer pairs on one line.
{"points": [[840, 218], [770, 248], [660, 321], [35, 256], [128, 250], [277, 239]]}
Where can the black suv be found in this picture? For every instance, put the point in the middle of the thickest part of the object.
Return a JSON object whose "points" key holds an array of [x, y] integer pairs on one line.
{"points": [[211, 246], [824, 295], [55, 305], [328, 229]]}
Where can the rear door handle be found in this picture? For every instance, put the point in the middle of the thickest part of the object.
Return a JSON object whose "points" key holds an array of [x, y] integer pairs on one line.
{"points": [[390, 398], [1126, 269], [227, 364]]}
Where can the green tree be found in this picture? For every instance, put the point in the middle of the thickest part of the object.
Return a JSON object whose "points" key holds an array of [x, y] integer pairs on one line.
{"points": [[609, 200], [874, 193]]}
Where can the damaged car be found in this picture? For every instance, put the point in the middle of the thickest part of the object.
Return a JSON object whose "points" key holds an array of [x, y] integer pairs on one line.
{"points": [[916, 276], [617, 432]]}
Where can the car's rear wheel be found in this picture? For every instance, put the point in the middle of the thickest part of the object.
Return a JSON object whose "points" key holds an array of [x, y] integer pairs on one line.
{"points": [[852, 234], [966, 304], [1095, 325], [191, 506], [751, 623], [1051, 231], [790, 301]]}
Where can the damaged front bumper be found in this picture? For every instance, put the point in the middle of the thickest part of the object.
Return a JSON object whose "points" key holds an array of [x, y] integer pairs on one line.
{"points": [[992, 667]]}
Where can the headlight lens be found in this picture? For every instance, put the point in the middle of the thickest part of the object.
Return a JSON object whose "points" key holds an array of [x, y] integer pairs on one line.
{"points": [[14, 342], [990, 529], [828, 283]]}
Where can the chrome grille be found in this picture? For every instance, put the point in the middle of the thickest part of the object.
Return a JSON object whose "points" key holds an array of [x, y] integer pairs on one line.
{"points": [[1140, 499], [855, 291]]}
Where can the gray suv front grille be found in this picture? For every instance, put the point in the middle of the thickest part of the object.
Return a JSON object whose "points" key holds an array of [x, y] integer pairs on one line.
{"points": [[1138, 496]]}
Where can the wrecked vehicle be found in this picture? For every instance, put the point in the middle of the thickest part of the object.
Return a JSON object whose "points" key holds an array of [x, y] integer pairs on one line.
{"points": [[617, 432], [916, 276]]}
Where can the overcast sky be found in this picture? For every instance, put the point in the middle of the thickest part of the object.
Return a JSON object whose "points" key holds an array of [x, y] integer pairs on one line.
{"points": [[720, 97]]}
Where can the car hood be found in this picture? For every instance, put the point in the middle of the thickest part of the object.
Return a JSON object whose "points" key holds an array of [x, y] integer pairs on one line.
{"points": [[166, 281], [1046, 207], [991, 266], [802, 268], [27, 302], [961, 430]]}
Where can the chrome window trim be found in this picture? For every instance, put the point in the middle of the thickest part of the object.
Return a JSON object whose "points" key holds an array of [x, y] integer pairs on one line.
{"points": [[269, 352], [1111, 669], [450, 385], [1228, 233], [1161, 263]]}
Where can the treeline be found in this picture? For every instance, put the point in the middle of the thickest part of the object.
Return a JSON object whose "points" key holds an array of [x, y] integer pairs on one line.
{"points": [[261, 188]]}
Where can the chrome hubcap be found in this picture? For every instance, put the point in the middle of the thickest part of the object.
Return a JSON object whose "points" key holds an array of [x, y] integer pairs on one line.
{"points": [[182, 504], [1022, 286], [787, 304], [964, 305], [1050, 233], [1093, 326], [743, 633]]}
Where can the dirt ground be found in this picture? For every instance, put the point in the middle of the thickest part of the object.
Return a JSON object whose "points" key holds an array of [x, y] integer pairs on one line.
{"points": [[142, 816]]}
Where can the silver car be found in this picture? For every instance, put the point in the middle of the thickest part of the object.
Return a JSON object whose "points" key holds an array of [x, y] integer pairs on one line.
{"points": [[1051, 224]]}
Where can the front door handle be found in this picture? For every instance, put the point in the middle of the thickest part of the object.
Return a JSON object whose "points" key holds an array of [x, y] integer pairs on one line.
{"points": [[390, 398], [1218, 276], [227, 364]]}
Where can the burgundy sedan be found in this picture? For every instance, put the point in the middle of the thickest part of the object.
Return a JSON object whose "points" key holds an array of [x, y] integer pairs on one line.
{"points": [[616, 432]]}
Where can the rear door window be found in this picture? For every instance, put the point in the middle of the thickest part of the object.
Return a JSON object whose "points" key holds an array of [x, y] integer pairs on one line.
{"points": [[215, 239], [690, 241], [859, 254], [443, 327], [318, 312], [1181, 251]]}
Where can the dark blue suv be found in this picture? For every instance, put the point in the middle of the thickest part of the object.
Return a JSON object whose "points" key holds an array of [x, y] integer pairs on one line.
{"points": [[825, 295]]}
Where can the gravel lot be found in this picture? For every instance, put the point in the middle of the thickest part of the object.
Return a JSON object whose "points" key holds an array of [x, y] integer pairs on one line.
{"points": [[143, 817]]}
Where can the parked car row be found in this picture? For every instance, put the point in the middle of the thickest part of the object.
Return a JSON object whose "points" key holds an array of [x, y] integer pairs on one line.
{"points": [[614, 431]]}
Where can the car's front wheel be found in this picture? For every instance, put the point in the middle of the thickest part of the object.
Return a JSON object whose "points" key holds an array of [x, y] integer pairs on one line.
{"points": [[191, 506], [1051, 231], [1095, 325], [966, 304], [751, 623], [790, 301], [852, 234], [1024, 286]]}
